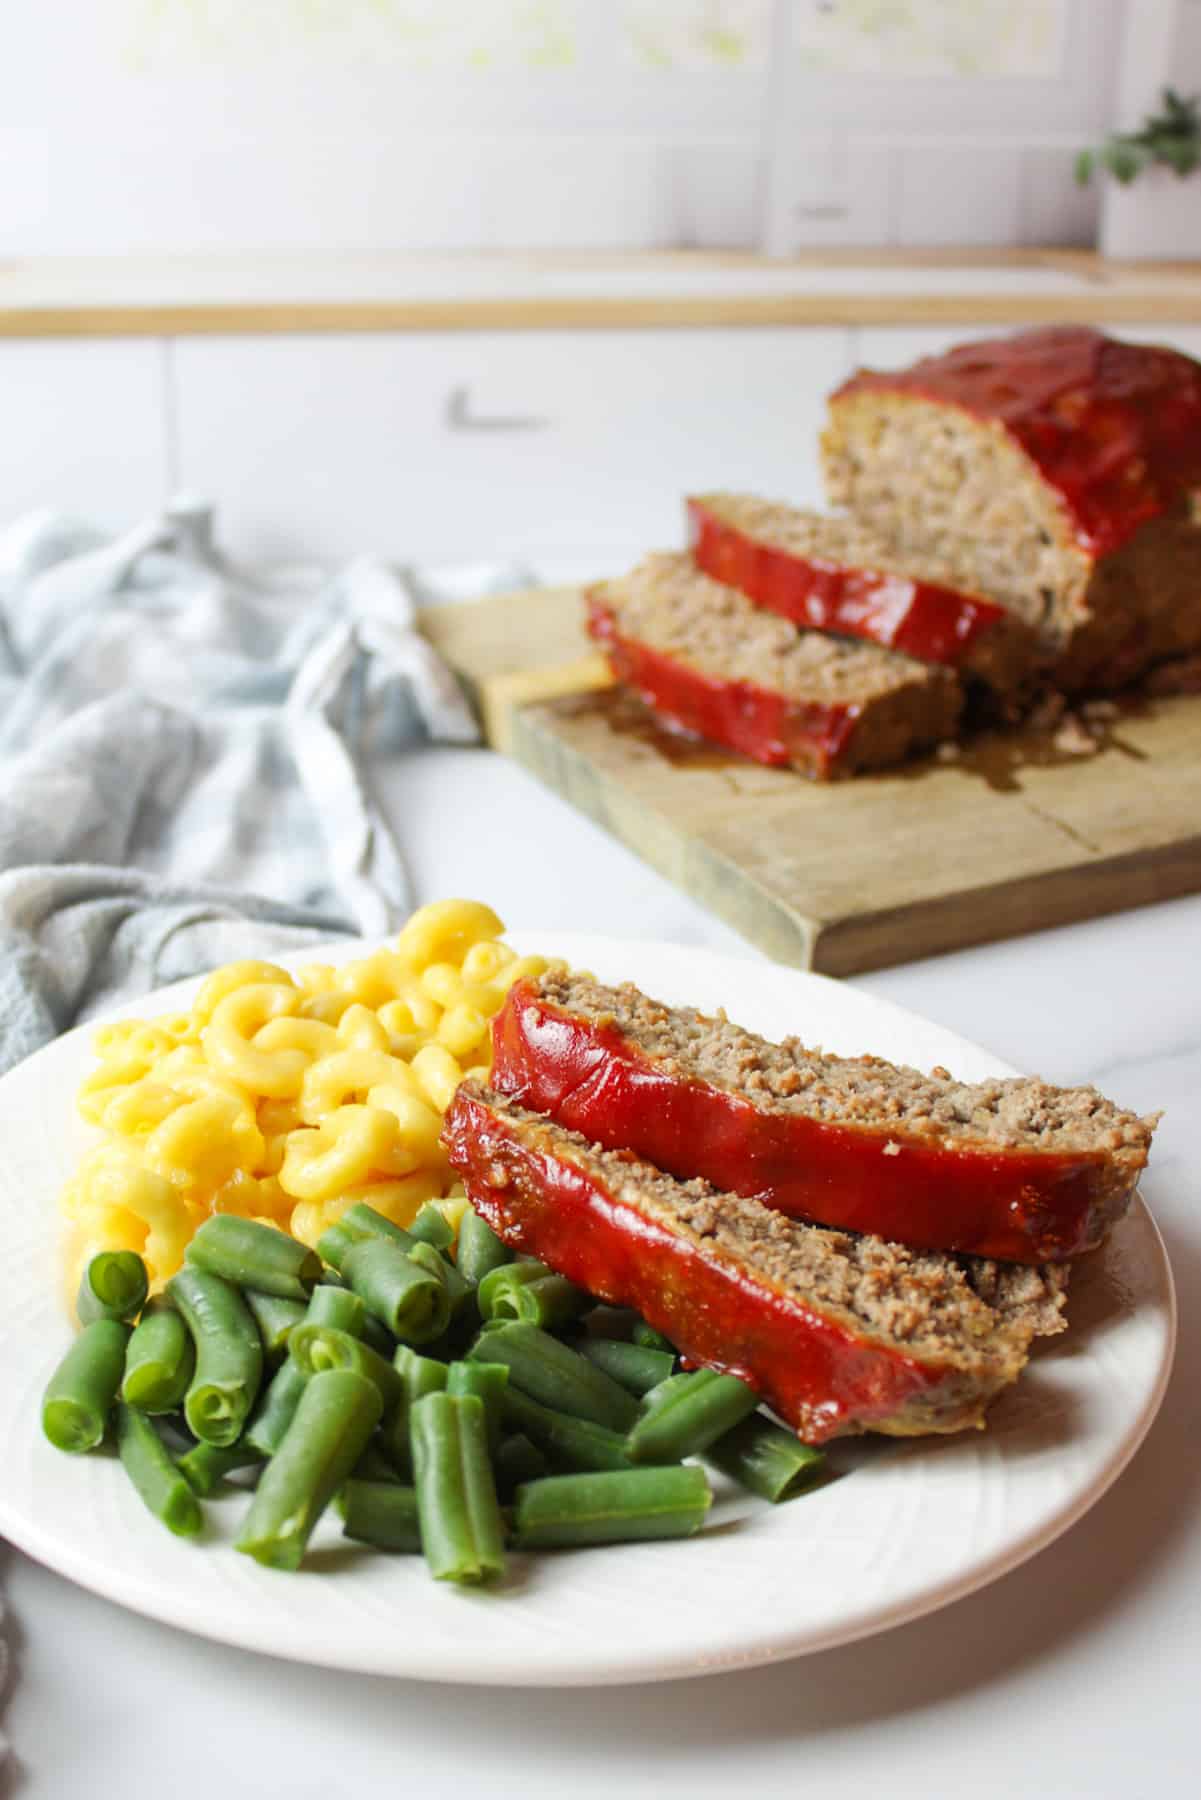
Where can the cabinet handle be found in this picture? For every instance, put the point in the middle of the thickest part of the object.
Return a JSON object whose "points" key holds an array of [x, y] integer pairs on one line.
{"points": [[459, 416]]}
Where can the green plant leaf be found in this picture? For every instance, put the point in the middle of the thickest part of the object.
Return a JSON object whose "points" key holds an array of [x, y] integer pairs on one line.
{"points": [[1180, 154], [1181, 112], [1171, 137], [1123, 159]]}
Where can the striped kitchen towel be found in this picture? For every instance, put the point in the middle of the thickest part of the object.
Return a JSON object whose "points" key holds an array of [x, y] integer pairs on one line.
{"points": [[182, 757]]}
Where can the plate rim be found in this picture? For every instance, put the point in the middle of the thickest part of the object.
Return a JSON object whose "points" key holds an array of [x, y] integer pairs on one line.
{"points": [[780, 1646]]}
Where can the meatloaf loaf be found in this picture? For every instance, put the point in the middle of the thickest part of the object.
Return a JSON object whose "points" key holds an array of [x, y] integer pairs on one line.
{"points": [[838, 1333], [1053, 471], [708, 661], [1009, 1168], [834, 574]]}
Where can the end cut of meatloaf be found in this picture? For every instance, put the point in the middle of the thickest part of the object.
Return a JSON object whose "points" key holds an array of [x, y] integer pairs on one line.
{"points": [[838, 1333], [830, 572], [1053, 471], [708, 661], [1013, 1168]]}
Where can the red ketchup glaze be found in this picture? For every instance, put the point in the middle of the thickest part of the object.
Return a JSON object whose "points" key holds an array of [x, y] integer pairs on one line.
{"points": [[1015, 1205], [820, 1376], [1115, 428], [768, 727], [932, 623]]}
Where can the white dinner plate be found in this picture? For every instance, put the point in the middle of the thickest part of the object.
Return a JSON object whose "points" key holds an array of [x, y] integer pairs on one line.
{"points": [[902, 1528]]}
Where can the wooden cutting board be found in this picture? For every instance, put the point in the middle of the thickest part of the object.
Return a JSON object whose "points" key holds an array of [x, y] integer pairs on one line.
{"points": [[1015, 836]]}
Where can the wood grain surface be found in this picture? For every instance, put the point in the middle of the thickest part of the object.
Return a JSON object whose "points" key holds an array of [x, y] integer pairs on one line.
{"points": [[121, 297], [1014, 836]]}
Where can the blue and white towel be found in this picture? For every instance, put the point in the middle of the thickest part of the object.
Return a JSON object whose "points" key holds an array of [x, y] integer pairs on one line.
{"points": [[181, 755]]}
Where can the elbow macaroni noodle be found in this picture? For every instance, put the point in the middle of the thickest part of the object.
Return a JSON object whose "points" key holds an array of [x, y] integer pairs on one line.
{"points": [[286, 1098]]}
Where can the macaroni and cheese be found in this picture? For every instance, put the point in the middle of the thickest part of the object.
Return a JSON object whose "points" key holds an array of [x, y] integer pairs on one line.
{"points": [[288, 1097]]}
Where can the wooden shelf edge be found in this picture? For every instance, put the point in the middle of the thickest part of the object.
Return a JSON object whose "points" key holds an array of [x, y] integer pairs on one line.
{"points": [[1098, 305]]}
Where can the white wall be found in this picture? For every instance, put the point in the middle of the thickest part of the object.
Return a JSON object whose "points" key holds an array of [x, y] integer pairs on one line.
{"points": [[196, 125]]}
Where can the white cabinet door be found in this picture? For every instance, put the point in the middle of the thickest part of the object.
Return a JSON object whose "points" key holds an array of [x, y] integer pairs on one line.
{"points": [[84, 428], [543, 445]]}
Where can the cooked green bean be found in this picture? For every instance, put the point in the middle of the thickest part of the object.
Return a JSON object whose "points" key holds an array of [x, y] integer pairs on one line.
{"points": [[333, 1244], [430, 1227], [649, 1338], [328, 1305], [766, 1459], [533, 1292], [80, 1394], [571, 1442], [496, 1290], [368, 1221], [686, 1413], [411, 1301], [563, 1510], [318, 1347], [420, 1375], [488, 1381], [554, 1302], [160, 1360], [638, 1370], [205, 1466], [229, 1354], [145, 1460], [479, 1249], [338, 1412], [381, 1513], [276, 1409], [275, 1318], [254, 1255], [113, 1286], [358, 1223], [338, 1307], [462, 1534], [554, 1374], [376, 1333], [460, 1293], [518, 1460]]}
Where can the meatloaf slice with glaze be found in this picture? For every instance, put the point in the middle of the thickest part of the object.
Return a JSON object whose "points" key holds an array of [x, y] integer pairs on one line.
{"points": [[838, 1333], [1053, 471], [831, 573], [709, 662], [1014, 1168]]}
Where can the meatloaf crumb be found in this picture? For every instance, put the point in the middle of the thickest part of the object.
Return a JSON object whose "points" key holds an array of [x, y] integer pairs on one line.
{"points": [[1035, 1295]]}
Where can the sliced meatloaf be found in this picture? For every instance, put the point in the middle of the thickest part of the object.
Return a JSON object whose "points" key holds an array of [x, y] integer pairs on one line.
{"points": [[838, 1333], [709, 662], [834, 574], [1053, 471], [1014, 1168]]}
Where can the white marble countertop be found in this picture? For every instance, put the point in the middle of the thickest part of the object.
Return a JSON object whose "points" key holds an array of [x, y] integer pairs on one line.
{"points": [[1074, 1676]]}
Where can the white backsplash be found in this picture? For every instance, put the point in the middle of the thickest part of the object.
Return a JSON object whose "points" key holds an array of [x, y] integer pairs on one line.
{"points": [[179, 127]]}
